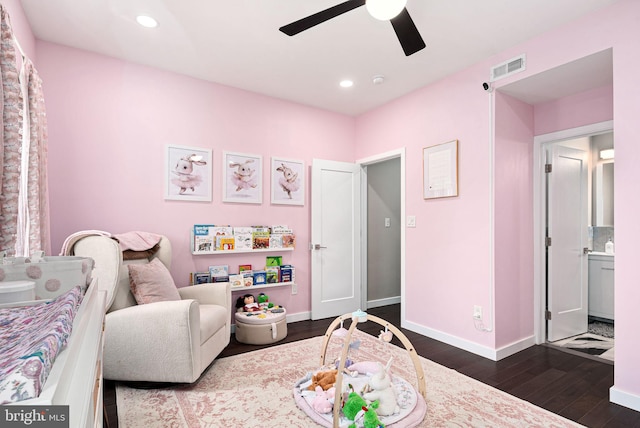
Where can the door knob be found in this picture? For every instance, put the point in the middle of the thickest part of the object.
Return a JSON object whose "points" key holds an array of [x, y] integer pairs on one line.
{"points": [[318, 246]]}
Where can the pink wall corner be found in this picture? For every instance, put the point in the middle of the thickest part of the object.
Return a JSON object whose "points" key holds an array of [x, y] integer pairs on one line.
{"points": [[447, 253], [21, 28], [585, 108], [109, 124], [513, 220]]}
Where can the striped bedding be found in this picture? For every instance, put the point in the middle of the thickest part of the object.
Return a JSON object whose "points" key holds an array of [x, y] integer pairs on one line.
{"points": [[30, 339]]}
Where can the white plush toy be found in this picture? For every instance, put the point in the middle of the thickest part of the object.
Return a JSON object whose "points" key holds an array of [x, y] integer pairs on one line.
{"points": [[383, 390]]}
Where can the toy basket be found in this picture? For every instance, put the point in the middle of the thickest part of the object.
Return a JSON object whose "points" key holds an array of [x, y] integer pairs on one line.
{"points": [[415, 407]]}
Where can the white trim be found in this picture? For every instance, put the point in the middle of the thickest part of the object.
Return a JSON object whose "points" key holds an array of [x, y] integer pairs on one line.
{"points": [[624, 398], [398, 153], [474, 348], [539, 208], [456, 341], [383, 302], [515, 347]]}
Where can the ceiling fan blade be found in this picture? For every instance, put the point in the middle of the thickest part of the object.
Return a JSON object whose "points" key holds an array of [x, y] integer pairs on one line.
{"points": [[320, 17], [407, 33]]}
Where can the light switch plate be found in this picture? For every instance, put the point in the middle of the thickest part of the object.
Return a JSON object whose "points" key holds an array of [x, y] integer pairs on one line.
{"points": [[387, 222], [411, 221]]}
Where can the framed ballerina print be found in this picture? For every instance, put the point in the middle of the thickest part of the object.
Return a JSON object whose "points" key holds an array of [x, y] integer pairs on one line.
{"points": [[188, 173], [287, 181], [241, 178]]}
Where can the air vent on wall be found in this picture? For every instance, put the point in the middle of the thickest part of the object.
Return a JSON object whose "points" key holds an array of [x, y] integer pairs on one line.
{"points": [[507, 68]]}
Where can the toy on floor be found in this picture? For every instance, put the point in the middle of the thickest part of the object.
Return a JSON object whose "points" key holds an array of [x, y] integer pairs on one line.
{"points": [[323, 402], [355, 408], [325, 380], [383, 391]]}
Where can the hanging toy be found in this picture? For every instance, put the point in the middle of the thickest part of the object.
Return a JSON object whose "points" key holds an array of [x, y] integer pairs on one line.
{"points": [[385, 335]]}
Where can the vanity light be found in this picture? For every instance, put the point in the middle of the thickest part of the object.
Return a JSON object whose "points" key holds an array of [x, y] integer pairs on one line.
{"points": [[146, 21], [606, 154], [346, 83], [384, 10]]}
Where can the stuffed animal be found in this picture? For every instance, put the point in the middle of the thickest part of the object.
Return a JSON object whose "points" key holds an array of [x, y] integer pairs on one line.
{"points": [[263, 301], [352, 405], [186, 178], [323, 402], [383, 391], [324, 379], [355, 407], [243, 177]]}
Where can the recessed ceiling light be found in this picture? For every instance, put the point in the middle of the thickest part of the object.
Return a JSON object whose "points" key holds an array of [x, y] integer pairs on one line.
{"points": [[146, 21], [346, 83]]}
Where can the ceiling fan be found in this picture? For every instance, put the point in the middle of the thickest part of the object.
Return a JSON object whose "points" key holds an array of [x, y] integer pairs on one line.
{"points": [[392, 10]]}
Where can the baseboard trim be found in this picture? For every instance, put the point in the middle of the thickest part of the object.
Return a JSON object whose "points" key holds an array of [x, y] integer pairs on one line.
{"points": [[515, 347], [474, 348], [624, 398], [383, 302]]}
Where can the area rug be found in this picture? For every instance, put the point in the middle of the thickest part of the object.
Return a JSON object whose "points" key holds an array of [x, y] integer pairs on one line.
{"points": [[255, 390], [590, 344]]}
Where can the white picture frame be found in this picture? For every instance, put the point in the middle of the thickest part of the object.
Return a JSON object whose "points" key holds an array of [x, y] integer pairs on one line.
{"points": [[188, 173], [287, 181], [241, 178], [440, 170]]}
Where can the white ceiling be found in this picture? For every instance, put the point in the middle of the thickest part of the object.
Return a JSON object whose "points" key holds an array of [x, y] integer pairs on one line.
{"points": [[237, 42]]}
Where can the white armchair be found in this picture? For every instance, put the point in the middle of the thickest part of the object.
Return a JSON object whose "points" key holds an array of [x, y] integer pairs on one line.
{"points": [[169, 341]]}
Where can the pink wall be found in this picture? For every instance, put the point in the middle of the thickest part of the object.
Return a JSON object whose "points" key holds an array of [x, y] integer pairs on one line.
{"points": [[453, 232], [109, 122], [513, 219], [593, 106], [21, 28]]}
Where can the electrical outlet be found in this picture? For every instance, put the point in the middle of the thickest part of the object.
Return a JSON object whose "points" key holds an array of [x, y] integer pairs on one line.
{"points": [[477, 312], [294, 288]]}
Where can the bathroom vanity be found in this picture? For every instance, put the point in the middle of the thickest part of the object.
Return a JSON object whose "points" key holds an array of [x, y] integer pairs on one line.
{"points": [[601, 285]]}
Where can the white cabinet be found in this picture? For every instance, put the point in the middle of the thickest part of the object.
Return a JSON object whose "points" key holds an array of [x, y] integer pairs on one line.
{"points": [[601, 286]]}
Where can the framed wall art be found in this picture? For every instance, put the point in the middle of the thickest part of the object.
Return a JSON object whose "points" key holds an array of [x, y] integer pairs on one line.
{"points": [[188, 173], [440, 170], [241, 178], [287, 181]]}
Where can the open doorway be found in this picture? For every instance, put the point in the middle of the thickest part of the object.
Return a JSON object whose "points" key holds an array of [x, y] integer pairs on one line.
{"points": [[383, 225], [578, 235]]}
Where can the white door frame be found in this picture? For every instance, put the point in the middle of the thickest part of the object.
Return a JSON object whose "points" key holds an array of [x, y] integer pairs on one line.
{"points": [[398, 153], [539, 209]]}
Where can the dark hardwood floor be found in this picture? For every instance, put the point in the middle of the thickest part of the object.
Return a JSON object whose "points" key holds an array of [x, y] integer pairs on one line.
{"points": [[569, 385]]}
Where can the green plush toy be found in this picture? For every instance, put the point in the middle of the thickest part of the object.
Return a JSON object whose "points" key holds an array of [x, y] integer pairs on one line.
{"points": [[354, 404]]}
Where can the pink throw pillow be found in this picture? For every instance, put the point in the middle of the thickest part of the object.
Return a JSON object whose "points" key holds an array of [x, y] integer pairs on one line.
{"points": [[151, 282]]}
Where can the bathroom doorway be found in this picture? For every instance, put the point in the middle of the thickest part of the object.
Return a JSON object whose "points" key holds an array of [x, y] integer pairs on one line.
{"points": [[580, 244]]}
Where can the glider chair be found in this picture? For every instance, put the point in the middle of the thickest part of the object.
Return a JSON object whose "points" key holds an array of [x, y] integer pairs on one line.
{"points": [[164, 333]]}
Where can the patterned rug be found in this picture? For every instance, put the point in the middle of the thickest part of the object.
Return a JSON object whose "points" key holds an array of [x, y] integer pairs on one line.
{"points": [[255, 390], [590, 344]]}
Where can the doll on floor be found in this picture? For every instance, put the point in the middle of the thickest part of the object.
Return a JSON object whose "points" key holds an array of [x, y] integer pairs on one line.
{"points": [[247, 303]]}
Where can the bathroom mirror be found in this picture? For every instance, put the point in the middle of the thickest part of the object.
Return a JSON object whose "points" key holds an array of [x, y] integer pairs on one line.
{"points": [[604, 194]]}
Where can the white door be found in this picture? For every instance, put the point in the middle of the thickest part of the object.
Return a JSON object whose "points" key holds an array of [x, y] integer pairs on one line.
{"points": [[335, 239], [567, 263]]}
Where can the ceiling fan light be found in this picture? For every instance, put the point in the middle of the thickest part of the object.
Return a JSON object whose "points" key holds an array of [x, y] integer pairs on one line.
{"points": [[146, 21], [385, 10]]}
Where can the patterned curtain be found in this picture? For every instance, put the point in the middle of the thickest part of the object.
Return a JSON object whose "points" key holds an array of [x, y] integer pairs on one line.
{"points": [[24, 208], [37, 200]]}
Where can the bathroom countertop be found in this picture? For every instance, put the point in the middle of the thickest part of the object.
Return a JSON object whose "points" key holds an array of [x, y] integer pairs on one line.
{"points": [[601, 253]]}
